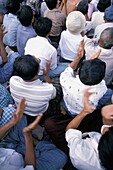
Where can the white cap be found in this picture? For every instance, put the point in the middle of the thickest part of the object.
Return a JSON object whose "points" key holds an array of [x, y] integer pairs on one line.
{"points": [[75, 22]]}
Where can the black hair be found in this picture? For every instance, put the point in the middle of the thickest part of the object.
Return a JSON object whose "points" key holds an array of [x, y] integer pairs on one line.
{"points": [[12, 6], [26, 67], [25, 15], [51, 4], [103, 4], [43, 26], [92, 72], [105, 149], [106, 38], [83, 7]]}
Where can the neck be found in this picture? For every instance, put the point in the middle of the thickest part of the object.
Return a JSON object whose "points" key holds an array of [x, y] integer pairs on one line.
{"points": [[107, 122]]}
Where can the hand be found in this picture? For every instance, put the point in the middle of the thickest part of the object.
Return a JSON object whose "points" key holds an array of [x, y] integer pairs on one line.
{"points": [[19, 112], [81, 49], [95, 55], [33, 125], [46, 70], [2, 31], [87, 107]]}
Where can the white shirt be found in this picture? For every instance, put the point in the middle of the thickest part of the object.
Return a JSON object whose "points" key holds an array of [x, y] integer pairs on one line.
{"points": [[36, 93], [69, 45], [73, 91], [11, 160], [100, 20], [42, 49], [100, 28], [84, 152]]}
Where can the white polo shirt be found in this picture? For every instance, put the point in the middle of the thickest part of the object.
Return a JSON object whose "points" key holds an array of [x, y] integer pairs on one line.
{"points": [[42, 49]]}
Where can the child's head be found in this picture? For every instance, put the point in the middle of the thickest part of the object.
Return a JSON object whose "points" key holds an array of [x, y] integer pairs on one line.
{"points": [[25, 15], [105, 149], [92, 72], [51, 4], [13, 6], [75, 22], [43, 26], [27, 67], [103, 4], [83, 7], [106, 38]]}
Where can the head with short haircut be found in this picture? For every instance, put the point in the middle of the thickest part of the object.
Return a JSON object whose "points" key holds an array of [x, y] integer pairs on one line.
{"points": [[106, 38], [92, 72], [105, 149], [25, 15], [26, 67], [108, 14], [51, 4], [83, 7], [103, 4], [13, 6], [43, 26]]}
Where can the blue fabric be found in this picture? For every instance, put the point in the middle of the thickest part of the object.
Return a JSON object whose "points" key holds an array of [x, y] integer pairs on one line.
{"points": [[48, 157], [6, 115], [5, 97], [7, 69]]}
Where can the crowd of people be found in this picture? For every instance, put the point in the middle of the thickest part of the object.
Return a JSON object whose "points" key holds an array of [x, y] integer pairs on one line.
{"points": [[56, 71]]}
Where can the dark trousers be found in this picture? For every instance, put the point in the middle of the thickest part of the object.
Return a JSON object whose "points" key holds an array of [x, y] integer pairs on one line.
{"points": [[56, 125]]}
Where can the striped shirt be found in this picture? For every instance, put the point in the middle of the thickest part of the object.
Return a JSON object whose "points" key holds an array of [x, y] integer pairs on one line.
{"points": [[36, 93]]}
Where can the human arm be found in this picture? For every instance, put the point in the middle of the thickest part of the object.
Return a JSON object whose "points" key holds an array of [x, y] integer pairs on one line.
{"points": [[87, 109], [30, 158], [3, 53], [16, 118], [63, 5], [74, 63], [46, 70]]}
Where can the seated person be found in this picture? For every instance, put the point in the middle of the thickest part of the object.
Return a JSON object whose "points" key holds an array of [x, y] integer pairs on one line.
{"points": [[18, 149], [27, 84], [91, 150], [25, 29], [11, 24], [90, 73], [108, 17], [71, 38], [6, 61], [58, 20], [105, 44], [43, 50]]}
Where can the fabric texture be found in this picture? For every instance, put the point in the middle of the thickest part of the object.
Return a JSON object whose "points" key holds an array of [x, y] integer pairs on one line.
{"points": [[36, 93]]}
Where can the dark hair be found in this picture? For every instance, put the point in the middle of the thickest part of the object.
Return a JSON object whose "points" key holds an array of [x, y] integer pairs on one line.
{"points": [[26, 67], [25, 15], [12, 6], [103, 4], [105, 149], [83, 7], [51, 4], [106, 38], [42, 26], [92, 72]]}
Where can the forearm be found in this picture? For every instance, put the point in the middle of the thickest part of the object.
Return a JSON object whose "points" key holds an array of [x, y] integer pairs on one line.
{"points": [[74, 63], [3, 52], [76, 121], [5, 128], [47, 78], [30, 158]]}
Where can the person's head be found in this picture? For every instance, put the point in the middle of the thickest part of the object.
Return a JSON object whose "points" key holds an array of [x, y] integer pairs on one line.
{"points": [[43, 26], [13, 6], [107, 114], [105, 149], [75, 22], [108, 14], [25, 15], [92, 72], [83, 7], [27, 67], [103, 4], [106, 38], [51, 4]]}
